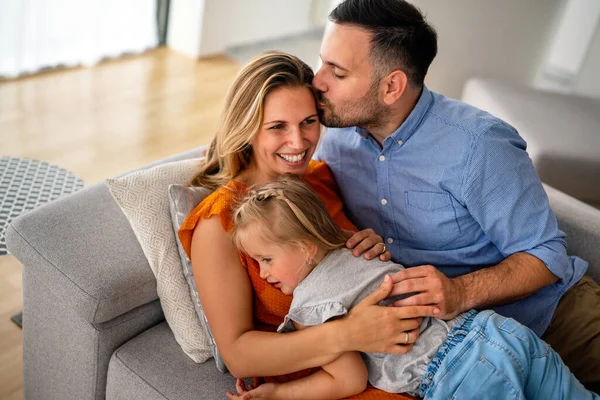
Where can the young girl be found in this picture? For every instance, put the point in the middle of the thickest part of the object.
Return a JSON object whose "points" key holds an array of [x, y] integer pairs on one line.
{"points": [[477, 355]]}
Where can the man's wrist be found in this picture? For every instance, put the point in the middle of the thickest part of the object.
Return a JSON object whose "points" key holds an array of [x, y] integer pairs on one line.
{"points": [[463, 287]]}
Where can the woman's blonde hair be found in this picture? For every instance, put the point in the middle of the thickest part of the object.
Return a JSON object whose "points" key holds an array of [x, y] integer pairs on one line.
{"points": [[230, 151], [288, 213]]}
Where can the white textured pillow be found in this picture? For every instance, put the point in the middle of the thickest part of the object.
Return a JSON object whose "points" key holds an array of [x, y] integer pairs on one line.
{"points": [[142, 195]]}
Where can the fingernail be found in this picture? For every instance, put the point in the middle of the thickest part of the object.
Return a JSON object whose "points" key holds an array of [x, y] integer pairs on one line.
{"points": [[386, 279]]}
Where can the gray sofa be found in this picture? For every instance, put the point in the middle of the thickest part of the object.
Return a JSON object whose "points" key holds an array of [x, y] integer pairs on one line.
{"points": [[92, 323], [562, 132]]}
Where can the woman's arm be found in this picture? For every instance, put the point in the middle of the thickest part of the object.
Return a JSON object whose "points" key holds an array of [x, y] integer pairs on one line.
{"points": [[226, 294]]}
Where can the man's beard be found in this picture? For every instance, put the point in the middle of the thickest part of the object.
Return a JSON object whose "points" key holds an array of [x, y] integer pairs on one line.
{"points": [[366, 112]]}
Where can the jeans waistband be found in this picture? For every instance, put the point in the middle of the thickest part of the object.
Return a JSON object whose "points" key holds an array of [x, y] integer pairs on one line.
{"points": [[456, 335]]}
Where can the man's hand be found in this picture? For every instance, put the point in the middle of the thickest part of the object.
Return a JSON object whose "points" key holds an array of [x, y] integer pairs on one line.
{"points": [[432, 288]]}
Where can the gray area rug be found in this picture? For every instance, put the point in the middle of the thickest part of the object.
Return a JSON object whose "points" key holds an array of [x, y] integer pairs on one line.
{"points": [[26, 184]]}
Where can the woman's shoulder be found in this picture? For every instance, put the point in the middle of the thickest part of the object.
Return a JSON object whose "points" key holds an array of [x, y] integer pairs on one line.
{"points": [[220, 200], [218, 203], [318, 174]]}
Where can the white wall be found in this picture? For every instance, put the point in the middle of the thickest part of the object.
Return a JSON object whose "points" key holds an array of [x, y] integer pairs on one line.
{"points": [[588, 81], [185, 26], [569, 45], [230, 23], [488, 38]]}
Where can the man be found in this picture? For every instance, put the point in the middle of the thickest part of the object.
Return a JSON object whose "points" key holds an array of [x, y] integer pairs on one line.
{"points": [[446, 184]]}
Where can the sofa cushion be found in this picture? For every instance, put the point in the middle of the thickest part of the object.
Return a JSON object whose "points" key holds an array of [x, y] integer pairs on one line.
{"points": [[143, 198], [152, 366], [581, 223]]}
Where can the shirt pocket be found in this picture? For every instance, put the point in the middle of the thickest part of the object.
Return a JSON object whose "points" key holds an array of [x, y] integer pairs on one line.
{"points": [[431, 218]]}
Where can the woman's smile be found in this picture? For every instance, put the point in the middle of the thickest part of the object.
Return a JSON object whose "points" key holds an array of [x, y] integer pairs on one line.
{"points": [[293, 159]]}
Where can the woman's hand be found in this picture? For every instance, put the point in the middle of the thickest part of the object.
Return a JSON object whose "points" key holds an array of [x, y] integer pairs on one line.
{"points": [[372, 328], [264, 391], [369, 243]]}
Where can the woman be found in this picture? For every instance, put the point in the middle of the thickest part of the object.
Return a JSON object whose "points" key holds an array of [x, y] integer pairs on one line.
{"points": [[270, 127]]}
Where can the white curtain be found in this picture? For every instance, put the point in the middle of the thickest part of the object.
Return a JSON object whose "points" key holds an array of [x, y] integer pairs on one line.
{"points": [[36, 34]]}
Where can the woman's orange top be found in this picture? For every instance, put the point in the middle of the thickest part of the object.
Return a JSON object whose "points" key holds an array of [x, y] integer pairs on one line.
{"points": [[270, 305]]}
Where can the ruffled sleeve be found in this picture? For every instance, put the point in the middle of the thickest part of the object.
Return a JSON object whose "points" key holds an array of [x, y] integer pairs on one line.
{"points": [[312, 315], [218, 203]]}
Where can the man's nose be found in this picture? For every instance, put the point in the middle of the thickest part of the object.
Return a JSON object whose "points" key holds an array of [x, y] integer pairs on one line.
{"points": [[318, 82]]}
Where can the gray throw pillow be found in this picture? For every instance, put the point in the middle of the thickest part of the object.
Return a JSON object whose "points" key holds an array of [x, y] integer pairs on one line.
{"points": [[182, 201]]}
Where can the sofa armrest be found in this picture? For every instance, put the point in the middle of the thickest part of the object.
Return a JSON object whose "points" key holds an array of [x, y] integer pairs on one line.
{"points": [[87, 289], [84, 249], [581, 223]]}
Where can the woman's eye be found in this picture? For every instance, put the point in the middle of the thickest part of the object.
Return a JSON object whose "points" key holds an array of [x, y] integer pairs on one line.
{"points": [[338, 76], [266, 260], [276, 127], [309, 121]]}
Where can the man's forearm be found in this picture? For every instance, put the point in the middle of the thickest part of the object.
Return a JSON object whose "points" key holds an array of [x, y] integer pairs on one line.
{"points": [[518, 276]]}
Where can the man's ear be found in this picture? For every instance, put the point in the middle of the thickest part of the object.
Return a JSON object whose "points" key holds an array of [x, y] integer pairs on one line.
{"points": [[395, 84]]}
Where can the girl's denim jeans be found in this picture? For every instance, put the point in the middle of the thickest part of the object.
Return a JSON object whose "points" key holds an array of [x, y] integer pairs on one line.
{"points": [[488, 356]]}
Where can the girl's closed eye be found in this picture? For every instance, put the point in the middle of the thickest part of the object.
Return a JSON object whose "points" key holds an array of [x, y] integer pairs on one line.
{"points": [[266, 260]]}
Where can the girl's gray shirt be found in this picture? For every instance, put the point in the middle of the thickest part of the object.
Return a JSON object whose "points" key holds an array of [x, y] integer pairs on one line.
{"points": [[338, 283]]}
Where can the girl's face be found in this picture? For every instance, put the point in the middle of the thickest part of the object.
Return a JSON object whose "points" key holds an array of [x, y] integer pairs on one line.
{"points": [[283, 266], [288, 135]]}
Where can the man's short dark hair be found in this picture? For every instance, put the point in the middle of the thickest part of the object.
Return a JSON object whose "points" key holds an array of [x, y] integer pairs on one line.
{"points": [[401, 37]]}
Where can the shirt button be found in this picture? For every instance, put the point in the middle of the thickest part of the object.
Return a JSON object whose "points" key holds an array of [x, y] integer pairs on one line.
{"points": [[383, 201], [400, 142], [390, 240], [382, 158]]}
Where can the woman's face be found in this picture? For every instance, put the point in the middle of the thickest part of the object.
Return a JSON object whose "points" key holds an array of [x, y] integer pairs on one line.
{"points": [[288, 135]]}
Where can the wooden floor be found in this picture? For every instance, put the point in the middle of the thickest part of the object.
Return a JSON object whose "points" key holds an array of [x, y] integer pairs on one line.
{"points": [[97, 122]]}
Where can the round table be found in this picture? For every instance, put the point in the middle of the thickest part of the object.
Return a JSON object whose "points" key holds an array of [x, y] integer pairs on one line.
{"points": [[26, 184]]}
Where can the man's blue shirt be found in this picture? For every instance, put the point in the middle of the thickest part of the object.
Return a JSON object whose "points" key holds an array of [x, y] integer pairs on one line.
{"points": [[455, 188]]}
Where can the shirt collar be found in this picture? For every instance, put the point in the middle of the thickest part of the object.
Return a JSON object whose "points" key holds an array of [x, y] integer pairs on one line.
{"points": [[409, 126]]}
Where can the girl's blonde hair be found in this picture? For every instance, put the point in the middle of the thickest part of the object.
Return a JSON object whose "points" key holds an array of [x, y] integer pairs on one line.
{"points": [[288, 213], [230, 151]]}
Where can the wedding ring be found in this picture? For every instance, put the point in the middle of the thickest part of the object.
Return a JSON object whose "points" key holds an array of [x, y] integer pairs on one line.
{"points": [[406, 338], [384, 249]]}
